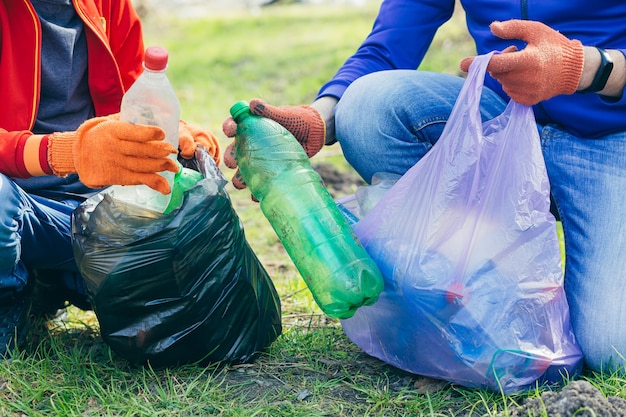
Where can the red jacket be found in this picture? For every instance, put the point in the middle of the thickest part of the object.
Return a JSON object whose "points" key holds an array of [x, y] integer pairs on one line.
{"points": [[115, 55]]}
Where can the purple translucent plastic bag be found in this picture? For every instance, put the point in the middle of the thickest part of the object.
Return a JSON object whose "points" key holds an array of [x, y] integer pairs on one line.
{"points": [[470, 255]]}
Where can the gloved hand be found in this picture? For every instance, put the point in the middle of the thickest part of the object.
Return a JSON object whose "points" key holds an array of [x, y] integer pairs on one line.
{"points": [[190, 136], [304, 123], [104, 151], [549, 65]]}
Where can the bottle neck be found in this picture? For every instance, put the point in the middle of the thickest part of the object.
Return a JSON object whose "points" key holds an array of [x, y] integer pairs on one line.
{"points": [[155, 76], [242, 115], [154, 71]]}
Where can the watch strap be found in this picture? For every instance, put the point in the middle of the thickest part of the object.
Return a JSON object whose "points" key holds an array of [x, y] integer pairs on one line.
{"points": [[602, 75]]}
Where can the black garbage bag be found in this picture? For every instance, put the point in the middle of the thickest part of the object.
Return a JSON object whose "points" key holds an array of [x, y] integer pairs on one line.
{"points": [[179, 288]]}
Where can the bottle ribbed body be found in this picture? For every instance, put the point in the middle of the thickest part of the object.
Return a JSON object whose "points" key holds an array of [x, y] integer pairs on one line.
{"points": [[337, 269]]}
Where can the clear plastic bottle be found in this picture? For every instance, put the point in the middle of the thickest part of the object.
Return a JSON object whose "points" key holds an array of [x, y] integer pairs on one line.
{"points": [[151, 100], [369, 195], [337, 269]]}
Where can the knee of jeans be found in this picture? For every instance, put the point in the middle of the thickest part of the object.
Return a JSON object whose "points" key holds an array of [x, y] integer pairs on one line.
{"points": [[603, 345], [363, 112], [355, 110]]}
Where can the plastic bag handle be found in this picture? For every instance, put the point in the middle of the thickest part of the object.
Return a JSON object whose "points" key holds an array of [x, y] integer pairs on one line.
{"points": [[471, 91]]}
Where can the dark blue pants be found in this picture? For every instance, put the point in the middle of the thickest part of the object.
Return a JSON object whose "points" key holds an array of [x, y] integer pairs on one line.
{"points": [[35, 234]]}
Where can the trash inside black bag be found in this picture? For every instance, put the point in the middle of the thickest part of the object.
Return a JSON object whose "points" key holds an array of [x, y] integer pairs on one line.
{"points": [[178, 288]]}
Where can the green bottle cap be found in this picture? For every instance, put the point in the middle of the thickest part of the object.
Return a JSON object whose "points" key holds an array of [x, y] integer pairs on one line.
{"points": [[239, 108]]}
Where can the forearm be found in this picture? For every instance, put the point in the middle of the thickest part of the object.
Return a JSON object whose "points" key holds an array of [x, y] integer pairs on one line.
{"points": [[615, 84], [23, 154]]}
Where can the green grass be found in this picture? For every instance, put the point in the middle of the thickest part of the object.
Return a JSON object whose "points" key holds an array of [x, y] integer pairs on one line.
{"points": [[283, 55]]}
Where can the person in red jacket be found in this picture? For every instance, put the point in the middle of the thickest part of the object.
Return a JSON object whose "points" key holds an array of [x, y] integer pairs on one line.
{"points": [[64, 67]]}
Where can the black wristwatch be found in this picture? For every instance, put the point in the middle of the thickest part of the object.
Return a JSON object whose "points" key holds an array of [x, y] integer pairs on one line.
{"points": [[602, 76]]}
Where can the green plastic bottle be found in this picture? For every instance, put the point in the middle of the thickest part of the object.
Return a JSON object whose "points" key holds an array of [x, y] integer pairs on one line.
{"points": [[184, 179], [337, 269]]}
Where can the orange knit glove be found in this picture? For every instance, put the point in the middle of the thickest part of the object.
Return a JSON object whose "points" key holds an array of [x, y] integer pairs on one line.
{"points": [[304, 123], [190, 136], [548, 66], [104, 151]]}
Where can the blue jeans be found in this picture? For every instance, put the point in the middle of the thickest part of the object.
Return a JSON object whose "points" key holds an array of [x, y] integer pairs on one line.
{"points": [[386, 121], [35, 235]]}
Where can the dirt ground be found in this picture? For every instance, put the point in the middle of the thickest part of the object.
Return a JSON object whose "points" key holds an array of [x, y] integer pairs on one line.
{"points": [[579, 398]]}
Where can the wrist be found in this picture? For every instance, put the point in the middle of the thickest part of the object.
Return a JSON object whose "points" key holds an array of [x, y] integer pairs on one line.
{"points": [[596, 71], [325, 106], [590, 67], [61, 153]]}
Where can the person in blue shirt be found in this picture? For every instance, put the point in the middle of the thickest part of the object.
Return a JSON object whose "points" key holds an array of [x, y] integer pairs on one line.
{"points": [[566, 59]]}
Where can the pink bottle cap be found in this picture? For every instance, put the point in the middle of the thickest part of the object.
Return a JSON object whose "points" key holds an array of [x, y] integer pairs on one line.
{"points": [[156, 58]]}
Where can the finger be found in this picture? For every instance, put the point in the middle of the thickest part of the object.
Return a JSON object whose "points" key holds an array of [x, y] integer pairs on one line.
{"points": [[154, 149], [465, 63], [186, 143], [188, 152], [156, 182], [520, 92], [144, 165], [508, 62], [124, 177], [279, 114], [261, 108], [133, 132], [525, 30], [229, 127], [229, 156], [508, 49], [238, 181], [207, 140], [523, 97]]}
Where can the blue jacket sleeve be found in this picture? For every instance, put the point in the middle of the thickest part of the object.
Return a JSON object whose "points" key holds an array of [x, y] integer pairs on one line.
{"points": [[400, 37]]}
